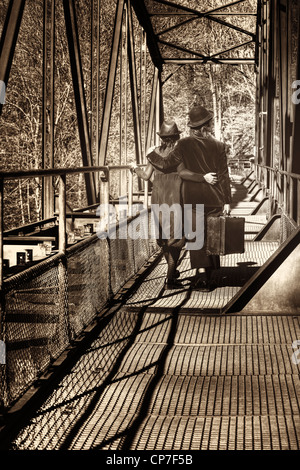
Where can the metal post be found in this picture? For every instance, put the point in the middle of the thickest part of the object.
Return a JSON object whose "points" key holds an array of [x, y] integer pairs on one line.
{"points": [[76, 68], [104, 188], [158, 110], [62, 214], [146, 194], [152, 109], [107, 107], [97, 83], [130, 193], [1, 231], [62, 245], [92, 78], [48, 104], [9, 38], [133, 86], [104, 195], [298, 201]]}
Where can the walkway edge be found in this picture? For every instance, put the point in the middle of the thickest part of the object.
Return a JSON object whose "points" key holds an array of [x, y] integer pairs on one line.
{"points": [[247, 292]]}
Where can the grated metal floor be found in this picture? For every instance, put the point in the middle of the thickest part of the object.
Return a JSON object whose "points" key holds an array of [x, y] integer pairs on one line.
{"points": [[235, 270], [177, 381], [169, 372]]}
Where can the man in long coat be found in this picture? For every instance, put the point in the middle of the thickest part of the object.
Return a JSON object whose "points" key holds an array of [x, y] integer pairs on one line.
{"points": [[202, 154]]}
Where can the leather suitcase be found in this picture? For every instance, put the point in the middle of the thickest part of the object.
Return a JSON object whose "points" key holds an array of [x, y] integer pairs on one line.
{"points": [[225, 235]]}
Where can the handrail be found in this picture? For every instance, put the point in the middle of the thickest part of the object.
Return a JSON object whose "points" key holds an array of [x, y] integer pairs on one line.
{"points": [[62, 173], [281, 172], [286, 191], [34, 173]]}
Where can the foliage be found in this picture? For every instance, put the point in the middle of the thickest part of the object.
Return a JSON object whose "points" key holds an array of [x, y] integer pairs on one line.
{"points": [[228, 90]]}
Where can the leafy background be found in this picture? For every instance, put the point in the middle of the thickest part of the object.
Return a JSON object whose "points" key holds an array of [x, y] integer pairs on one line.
{"points": [[229, 91]]}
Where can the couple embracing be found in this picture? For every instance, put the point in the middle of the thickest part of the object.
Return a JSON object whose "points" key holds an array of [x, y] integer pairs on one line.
{"points": [[192, 170]]}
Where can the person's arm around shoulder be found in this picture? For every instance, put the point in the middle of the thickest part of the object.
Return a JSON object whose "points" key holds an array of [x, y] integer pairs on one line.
{"points": [[188, 175]]}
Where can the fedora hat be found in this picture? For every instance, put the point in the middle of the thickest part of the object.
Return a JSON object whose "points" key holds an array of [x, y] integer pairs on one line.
{"points": [[168, 129], [199, 116]]}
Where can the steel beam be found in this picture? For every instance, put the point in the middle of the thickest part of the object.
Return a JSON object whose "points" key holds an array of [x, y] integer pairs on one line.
{"points": [[208, 16], [193, 17], [152, 108], [220, 60], [9, 38], [296, 137], [145, 22], [48, 108], [133, 86], [1, 239], [107, 107], [80, 101]]}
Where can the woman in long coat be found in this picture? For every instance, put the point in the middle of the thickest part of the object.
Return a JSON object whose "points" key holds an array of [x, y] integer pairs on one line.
{"points": [[166, 189], [205, 157]]}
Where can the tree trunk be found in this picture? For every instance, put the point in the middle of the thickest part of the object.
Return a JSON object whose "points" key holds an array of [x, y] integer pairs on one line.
{"points": [[21, 203], [216, 102]]}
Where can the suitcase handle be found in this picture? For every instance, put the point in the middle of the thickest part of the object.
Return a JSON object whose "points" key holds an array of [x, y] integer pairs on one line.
{"points": [[225, 214]]}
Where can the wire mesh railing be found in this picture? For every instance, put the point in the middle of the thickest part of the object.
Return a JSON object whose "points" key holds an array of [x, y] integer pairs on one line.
{"points": [[45, 307]]}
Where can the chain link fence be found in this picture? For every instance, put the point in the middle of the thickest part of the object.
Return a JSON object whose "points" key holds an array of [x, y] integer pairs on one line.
{"points": [[46, 306]]}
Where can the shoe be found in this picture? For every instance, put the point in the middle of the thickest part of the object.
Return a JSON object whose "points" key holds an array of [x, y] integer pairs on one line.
{"points": [[171, 284]]}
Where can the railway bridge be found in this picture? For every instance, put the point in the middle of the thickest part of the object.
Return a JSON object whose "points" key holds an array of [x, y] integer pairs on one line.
{"points": [[94, 353]]}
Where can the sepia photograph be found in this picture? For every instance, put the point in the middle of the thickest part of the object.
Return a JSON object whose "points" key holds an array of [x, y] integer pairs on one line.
{"points": [[150, 230]]}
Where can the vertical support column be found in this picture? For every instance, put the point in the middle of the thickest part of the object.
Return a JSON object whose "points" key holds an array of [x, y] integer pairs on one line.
{"points": [[283, 71], [62, 245], [104, 197], [3, 379], [298, 202], [48, 109], [257, 63], [158, 109], [143, 92], [295, 144], [62, 214], [152, 109], [104, 187], [125, 101], [78, 85], [133, 86], [123, 106], [9, 38], [1, 231], [130, 193], [107, 107], [270, 95], [97, 86], [146, 194]]}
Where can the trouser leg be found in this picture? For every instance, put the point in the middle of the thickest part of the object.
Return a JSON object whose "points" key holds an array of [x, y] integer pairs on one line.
{"points": [[173, 257]]}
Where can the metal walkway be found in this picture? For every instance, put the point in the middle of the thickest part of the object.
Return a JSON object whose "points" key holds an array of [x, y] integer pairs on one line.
{"points": [[168, 371]]}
